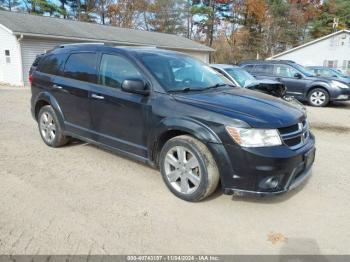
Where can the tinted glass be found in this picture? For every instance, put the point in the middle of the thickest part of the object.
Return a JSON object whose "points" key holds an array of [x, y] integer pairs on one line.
{"points": [[115, 69], [177, 72], [81, 66], [263, 69], [51, 64]]}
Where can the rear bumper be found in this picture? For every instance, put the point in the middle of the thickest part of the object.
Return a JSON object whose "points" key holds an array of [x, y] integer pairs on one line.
{"points": [[250, 171]]}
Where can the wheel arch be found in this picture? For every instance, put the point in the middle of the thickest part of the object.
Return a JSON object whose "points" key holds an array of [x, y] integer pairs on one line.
{"points": [[173, 127], [44, 99], [313, 87]]}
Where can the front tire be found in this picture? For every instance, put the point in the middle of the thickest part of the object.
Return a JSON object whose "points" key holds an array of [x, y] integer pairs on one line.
{"points": [[49, 127], [188, 168], [318, 97]]}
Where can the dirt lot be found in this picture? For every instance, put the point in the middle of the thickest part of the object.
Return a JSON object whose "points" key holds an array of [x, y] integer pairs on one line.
{"points": [[80, 199]]}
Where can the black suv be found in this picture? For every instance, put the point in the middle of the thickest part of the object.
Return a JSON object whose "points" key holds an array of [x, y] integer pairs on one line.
{"points": [[300, 82], [175, 113]]}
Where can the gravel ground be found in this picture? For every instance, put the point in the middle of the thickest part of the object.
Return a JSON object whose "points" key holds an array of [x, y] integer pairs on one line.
{"points": [[80, 199]]}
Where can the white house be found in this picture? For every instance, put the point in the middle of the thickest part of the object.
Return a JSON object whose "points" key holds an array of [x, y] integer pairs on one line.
{"points": [[24, 36], [331, 50]]}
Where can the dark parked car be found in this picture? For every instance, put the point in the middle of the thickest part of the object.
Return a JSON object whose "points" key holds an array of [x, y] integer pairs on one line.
{"points": [[300, 82], [175, 113], [329, 73]]}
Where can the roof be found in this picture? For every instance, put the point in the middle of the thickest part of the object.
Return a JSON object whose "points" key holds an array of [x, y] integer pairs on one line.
{"points": [[49, 27], [223, 66], [309, 43]]}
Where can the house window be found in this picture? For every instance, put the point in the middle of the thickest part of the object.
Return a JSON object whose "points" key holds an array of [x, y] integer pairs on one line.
{"points": [[7, 56], [330, 63]]}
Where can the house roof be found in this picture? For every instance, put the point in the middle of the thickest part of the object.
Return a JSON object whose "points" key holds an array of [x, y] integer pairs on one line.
{"points": [[49, 27], [309, 43]]}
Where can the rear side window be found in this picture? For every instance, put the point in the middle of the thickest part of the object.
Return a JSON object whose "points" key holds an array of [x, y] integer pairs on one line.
{"points": [[115, 69], [50, 64], [263, 70], [81, 66]]}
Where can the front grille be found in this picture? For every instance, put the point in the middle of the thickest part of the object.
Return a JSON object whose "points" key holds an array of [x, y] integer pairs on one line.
{"points": [[295, 136]]}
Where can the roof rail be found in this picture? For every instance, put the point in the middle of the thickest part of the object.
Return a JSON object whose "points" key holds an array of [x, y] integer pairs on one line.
{"points": [[73, 44]]}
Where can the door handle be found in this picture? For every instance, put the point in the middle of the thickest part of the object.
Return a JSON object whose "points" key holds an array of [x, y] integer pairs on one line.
{"points": [[57, 86], [97, 96]]}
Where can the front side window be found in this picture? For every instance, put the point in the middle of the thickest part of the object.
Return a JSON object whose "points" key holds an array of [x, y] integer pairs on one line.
{"points": [[284, 71], [177, 72], [115, 69], [248, 68], [51, 64], [81, 66], [241, 76]]}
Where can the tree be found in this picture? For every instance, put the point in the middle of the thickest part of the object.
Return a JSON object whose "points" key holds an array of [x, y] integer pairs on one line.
{"points": [[208, 14], [323, 25], [9, 4], [41, 7], [167, 16]]}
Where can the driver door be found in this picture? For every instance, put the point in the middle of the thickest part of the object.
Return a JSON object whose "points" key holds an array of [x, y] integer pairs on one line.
{"points": [[286, 74], [119, 117]]}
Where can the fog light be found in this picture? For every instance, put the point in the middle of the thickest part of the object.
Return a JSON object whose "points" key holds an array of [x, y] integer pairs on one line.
{"points": [[343, 97], [270, 182]]}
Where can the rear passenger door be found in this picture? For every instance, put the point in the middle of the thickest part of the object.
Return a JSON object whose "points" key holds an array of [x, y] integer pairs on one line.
{"points": [[263, 71], [72, 89], [119, 117]]}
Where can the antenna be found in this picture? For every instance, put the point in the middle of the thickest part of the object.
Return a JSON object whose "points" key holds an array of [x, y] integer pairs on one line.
{"points": [[335, 23]]}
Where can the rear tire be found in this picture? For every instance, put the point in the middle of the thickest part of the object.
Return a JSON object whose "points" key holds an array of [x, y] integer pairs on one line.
{"points": [[318, 97], [188, 168], [49, 127]]}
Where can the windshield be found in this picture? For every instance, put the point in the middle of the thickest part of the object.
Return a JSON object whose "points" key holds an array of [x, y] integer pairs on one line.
{"points": [[181, 73], [303, 70], [240, 75], [336, 72]]}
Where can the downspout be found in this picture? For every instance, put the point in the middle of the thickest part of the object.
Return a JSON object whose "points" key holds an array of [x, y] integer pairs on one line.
{"points": [[19, 39]]}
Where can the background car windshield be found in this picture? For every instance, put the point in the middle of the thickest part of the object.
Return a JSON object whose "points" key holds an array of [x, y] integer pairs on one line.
{"points": [[177, 72], [240, 75]]}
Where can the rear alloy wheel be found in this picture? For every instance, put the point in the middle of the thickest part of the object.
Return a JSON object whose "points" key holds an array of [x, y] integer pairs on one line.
{"points": [[318, 97], [188, 168], [50, 128]]}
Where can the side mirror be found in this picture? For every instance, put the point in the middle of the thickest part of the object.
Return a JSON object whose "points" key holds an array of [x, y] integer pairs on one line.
{"points": [[298, 75], [136, 86]]}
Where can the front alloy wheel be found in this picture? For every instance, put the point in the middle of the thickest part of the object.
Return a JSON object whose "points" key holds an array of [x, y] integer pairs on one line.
{"points": [[188, 168], [318, 97], [182, 170]]}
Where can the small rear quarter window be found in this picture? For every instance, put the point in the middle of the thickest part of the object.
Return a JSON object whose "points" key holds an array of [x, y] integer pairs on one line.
{"points": [[51, 64]]}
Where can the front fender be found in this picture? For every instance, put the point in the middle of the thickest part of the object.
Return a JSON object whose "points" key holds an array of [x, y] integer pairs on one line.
{"points": [[50, 99], [182, 124]]}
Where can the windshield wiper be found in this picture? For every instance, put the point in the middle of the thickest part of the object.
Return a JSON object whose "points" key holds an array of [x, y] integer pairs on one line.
{"points": [[217, 85], [188, 89]]}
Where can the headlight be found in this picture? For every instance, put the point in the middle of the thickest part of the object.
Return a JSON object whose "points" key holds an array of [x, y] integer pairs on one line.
{"points": [[252, 137], [339, 84]]}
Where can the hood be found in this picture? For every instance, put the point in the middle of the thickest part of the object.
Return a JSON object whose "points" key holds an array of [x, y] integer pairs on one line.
{"points": [[255, 108], [261, 81]]}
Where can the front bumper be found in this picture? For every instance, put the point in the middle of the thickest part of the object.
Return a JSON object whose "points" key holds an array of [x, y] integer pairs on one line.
{"points": [[341, 95], [248, 171]]}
